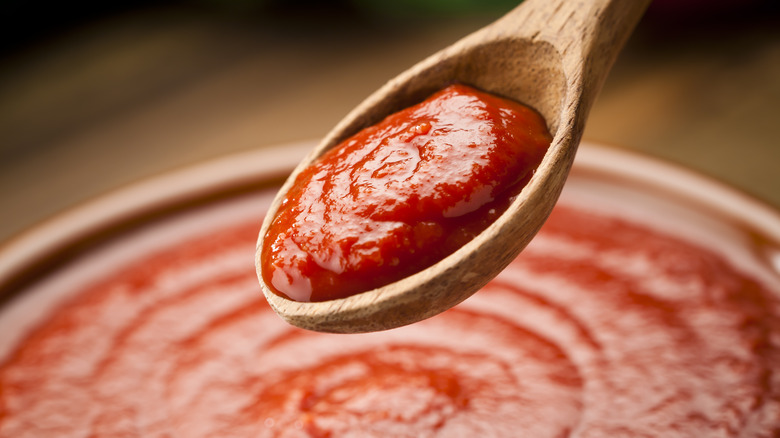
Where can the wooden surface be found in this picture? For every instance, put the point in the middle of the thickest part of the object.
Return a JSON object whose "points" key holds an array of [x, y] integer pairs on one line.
{"points": [[136, 95]]}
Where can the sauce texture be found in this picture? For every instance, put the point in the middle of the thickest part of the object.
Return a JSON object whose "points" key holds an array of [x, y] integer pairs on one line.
{"points": [[601, 328], [401, 195]]}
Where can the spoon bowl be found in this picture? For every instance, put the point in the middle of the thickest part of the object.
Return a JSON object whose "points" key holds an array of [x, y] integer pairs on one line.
{"points": [[552, 55]]}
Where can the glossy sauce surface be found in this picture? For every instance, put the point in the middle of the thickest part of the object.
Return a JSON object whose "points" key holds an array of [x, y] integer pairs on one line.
{"points": [[401, 195], [601, 328]]}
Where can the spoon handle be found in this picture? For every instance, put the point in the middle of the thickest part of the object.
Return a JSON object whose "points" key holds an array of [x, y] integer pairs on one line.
{"points": [[588, 35]]}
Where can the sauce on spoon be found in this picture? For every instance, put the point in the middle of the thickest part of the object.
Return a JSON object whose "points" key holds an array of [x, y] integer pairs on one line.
{"points": [[550, 54], [399, 196]]}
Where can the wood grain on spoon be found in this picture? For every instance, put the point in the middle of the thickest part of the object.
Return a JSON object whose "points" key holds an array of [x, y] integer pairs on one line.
{"points": [[552, 55]]}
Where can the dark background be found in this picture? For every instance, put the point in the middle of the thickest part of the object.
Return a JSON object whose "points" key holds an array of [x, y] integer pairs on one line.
{"points": [[94, 96]]}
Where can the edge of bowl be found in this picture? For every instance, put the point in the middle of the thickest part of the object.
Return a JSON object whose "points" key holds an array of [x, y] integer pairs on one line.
{"points": [[31, 253]]}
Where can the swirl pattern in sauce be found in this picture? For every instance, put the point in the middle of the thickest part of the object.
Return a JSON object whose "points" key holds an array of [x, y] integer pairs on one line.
{"points": [[602, 328]]}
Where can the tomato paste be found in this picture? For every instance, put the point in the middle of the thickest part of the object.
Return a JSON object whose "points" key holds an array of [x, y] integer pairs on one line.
{"points": [[602, 327], [401, 195]]}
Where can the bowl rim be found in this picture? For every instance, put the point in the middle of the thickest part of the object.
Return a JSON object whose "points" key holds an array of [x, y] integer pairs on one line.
{"points": [[47, 244], [684, 183], [44, 246]]}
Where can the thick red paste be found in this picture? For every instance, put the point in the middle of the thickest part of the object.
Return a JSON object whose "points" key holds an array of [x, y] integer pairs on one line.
{"points": [[601, 328], [401, 195]]}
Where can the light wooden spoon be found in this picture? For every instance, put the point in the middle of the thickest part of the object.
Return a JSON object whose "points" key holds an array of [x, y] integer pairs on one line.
{"points": [[550, 54]]}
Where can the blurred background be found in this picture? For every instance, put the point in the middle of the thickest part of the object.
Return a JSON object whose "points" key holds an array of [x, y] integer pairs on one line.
{"points": [[96, 95]]}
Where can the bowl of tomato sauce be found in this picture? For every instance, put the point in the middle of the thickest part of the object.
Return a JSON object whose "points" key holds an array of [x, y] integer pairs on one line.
{"points": [[648, 305]]}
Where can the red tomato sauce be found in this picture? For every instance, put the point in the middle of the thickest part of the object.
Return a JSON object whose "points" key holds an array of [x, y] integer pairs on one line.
{"points": [[601, 328], [401, 195]]}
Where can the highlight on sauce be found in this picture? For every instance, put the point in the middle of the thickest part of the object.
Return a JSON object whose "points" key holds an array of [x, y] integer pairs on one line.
{"points": [[401, 195]]}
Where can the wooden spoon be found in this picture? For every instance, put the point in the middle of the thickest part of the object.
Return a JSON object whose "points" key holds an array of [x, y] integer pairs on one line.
{"points": [[550, 54]]}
